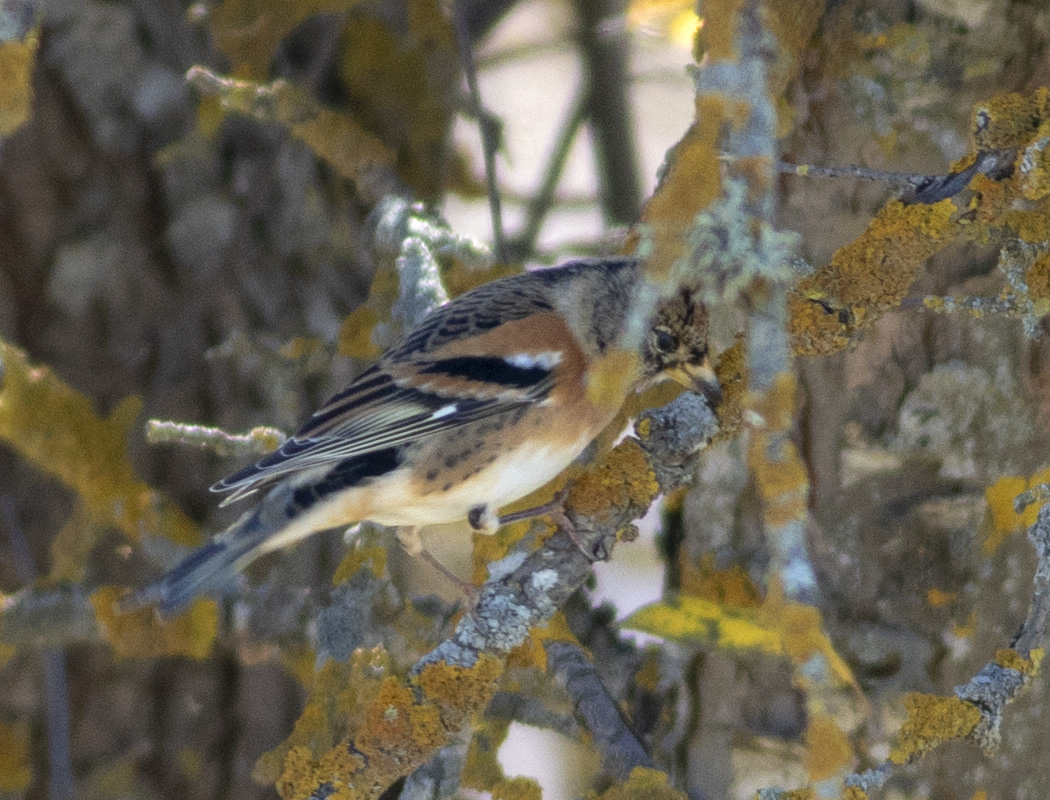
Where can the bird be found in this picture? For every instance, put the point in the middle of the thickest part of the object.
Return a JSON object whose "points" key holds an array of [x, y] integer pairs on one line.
{"points": [[483, 402]]}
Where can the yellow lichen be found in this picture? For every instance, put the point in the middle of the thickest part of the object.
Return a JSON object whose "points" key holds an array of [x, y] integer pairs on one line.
{"points": [[16, 83], [533, 652], [932, 721], [828, 751], [1031, 225], [403, 79], [16, 771], [729, 587], [1038, 278], [698, 621], [481, 769], [643, 784], [342, 142], [778, 470], [139, 634], [718, 36], [732, 376], [1011, 659], [56, 428], [691, 183], [388, 731], [999, 498], [374, 557], [802, 630], [340, 693], [938, 599], [517, 789], [623, 479], [867, 276]]}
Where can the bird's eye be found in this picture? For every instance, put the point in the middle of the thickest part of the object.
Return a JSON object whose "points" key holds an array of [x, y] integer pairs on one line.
{"points": [[665, 342]]}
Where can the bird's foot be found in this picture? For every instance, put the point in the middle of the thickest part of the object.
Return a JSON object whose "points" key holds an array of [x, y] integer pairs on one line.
{"points": [[555, 509]]}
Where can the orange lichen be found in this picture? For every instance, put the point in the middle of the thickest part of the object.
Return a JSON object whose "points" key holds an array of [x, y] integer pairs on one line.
{"points": [[1010, 120], [932, 721], [139, 634], [397, 730], [458, 691], [55, 427], [389, 730], [828, 751], [732, 376], [1031, 224], [624, 479]]}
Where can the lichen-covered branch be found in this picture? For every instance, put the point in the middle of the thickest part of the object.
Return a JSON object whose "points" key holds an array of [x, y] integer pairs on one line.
{"points": [[256, 442], [601, 504], [1000, 191], [975, 713]]}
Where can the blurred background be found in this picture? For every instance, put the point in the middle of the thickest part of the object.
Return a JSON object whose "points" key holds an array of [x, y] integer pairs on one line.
{"points": [[206, 262]]}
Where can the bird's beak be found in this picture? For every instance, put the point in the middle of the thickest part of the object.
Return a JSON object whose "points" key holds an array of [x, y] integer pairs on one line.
{"points": [[699, 378]]}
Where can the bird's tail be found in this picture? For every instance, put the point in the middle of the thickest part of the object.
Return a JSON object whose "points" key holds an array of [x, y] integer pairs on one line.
{"points": [[210, 567]]}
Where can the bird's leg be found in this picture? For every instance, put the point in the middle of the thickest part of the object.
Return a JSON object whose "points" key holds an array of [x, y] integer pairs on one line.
{"points": [[468, 588], [555, 509], [409, 538]]}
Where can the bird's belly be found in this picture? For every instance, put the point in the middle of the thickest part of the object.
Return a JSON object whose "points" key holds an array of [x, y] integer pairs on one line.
{"points": [[514, 474]]}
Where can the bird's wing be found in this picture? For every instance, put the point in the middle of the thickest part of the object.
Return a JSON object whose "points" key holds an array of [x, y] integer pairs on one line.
{"points": [[419, 389]]}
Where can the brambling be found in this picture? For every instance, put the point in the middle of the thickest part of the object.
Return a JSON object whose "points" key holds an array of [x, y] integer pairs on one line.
{"points": [[482, 403]]}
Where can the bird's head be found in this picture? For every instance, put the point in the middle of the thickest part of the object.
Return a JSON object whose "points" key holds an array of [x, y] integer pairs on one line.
{"points": [[676, 346]]}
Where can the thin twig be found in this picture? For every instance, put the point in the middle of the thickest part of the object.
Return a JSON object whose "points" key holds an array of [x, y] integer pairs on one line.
{"points": [[488, 143], [541, 203], [916, 188]]}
